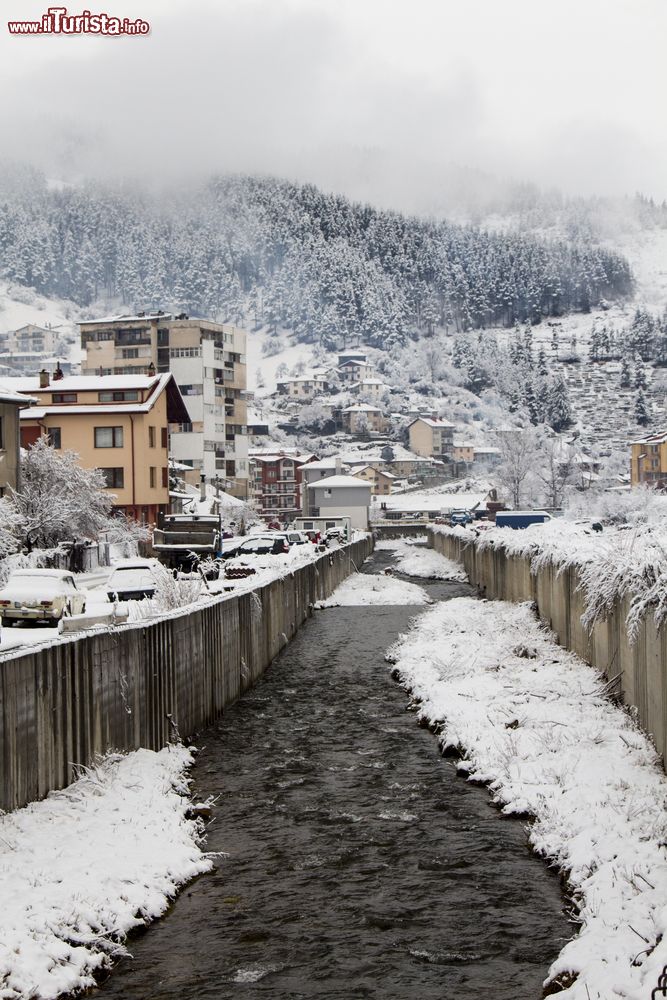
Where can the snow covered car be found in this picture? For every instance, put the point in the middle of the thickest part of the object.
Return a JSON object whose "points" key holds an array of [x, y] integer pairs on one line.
{"points": [[273, 543], [41, 594], [131, 580]]}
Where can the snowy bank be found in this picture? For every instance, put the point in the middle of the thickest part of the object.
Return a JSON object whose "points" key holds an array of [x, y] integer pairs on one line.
{"points": [[416, 560], [617, 562], [82, 868], [533, 721], [366, 589]]}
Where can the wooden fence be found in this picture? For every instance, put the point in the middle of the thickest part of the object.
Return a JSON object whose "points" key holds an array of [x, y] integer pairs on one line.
{"points": [[138, 685], [637, 672]]}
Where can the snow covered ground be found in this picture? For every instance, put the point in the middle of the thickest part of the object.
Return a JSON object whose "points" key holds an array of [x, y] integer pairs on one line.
{"points": [[367, 588], [533, 721], [414, 559], [85, 866]]}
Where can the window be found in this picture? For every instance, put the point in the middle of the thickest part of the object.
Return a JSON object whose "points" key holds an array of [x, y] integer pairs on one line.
{"points": [[165, 477], [327, 493], [164, 437], [115, 478], [151, 473], [120, 396], [191, 390], [151, 437], [130, 352], [2, 433], [55, 438], [108, 437], [63, 397]]}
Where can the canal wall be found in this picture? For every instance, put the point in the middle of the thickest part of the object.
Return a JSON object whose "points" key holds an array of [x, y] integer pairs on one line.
{"points": [[141, 684], [637, 672]]}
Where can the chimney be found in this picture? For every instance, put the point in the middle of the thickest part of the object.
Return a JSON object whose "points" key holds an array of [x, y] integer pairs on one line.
{"points": [[44, 379], [202, 488], [150, 371], [339, 465], [58, 373]]}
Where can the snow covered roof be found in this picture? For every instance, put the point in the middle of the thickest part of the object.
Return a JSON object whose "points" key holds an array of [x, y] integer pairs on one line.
{"points": [[90, 383], [659, 438], [378, 472], [361, 408], [337, 481], [126, 319], [176, 409], [324, 463], [301, 378], [432, 422], [8, 395]]}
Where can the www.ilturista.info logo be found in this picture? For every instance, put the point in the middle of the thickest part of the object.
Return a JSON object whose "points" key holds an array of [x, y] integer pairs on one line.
{"points": [[57, 21]]}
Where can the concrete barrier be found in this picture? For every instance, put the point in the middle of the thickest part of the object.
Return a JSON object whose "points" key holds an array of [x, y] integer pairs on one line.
{"points": [[637, 672], [140, 684]]}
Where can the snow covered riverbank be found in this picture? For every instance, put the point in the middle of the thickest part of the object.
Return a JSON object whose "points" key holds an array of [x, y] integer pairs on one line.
{"points": [[533, 721], [85, 866], [414, 559]]}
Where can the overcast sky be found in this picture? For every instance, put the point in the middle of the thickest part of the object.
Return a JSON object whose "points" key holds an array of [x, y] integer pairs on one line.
{"points": [[372, 97]]}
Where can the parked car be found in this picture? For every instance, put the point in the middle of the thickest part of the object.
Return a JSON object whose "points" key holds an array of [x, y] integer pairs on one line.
{"points": [[460, 517], [131, 580], [521, 518], [272, 543], [297, 537], [312, 535], [42, 595], [335, 535]]}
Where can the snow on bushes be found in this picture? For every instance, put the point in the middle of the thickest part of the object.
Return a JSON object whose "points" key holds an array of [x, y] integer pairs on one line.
{"points": [[85, 866], [533, 721], [417, 560]]}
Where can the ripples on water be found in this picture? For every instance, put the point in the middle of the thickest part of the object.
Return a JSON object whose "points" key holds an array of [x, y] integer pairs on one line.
{"points": [[357, 863]]}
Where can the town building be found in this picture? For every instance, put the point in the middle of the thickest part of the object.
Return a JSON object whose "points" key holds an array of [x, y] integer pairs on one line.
{"points": [[341, 496], [353, 371], [303, 386], [11, 404], [648, 461], [31, 339], [277, 482], [315, 470], [369, 388], [116, 423], [380, 480], [208, 361], [351, 356], [362, 418], [432, 437], [488, 457], [463, 452]]}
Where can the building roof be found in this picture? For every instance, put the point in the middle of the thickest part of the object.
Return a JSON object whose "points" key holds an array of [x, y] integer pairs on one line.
{"points": [[353, 354], [362, 408], [177, 412], [432, 422], [659, 438], [325, 463], [378, 472], [126, 319], [9, 395], [337, 481]]}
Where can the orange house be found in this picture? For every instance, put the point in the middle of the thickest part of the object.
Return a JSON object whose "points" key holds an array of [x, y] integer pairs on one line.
{"points": [[116, 423]]}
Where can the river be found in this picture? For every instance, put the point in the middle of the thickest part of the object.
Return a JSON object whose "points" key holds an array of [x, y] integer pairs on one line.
{"points": [[357, 863]]}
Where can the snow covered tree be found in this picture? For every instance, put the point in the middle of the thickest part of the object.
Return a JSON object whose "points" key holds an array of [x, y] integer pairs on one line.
{"points": [[625, 374], [59, 500], [519, 454], [639, 380], [641, 409], [558, 411]]}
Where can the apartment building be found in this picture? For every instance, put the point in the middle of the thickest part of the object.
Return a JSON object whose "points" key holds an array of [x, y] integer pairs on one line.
{"points": [[278, 482], [208, 363], [648, 462], [431, 437], [116, 423], [31, 339]]}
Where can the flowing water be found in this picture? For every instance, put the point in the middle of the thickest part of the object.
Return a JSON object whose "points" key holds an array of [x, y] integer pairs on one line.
{"points": [[358, 864]]}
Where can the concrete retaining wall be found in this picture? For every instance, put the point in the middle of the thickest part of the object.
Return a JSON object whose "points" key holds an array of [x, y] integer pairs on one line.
{"points": [[138, 685], [639, 670]]}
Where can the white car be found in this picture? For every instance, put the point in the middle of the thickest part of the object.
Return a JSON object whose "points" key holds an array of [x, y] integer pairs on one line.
{"points": [[46, 594], [131, 580]]}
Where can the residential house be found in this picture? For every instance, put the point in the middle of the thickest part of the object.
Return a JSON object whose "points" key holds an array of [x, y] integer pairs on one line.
{"points": [[380, 480], [31, 339], [369, 388], [116, 423], [208, 362], [313, 471], [432, 437], [648, 460], [11, 404], [303, 386], [362, 418], [353, 355], [353, 371], [463, 452], [487, 457], [341, 496]]}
